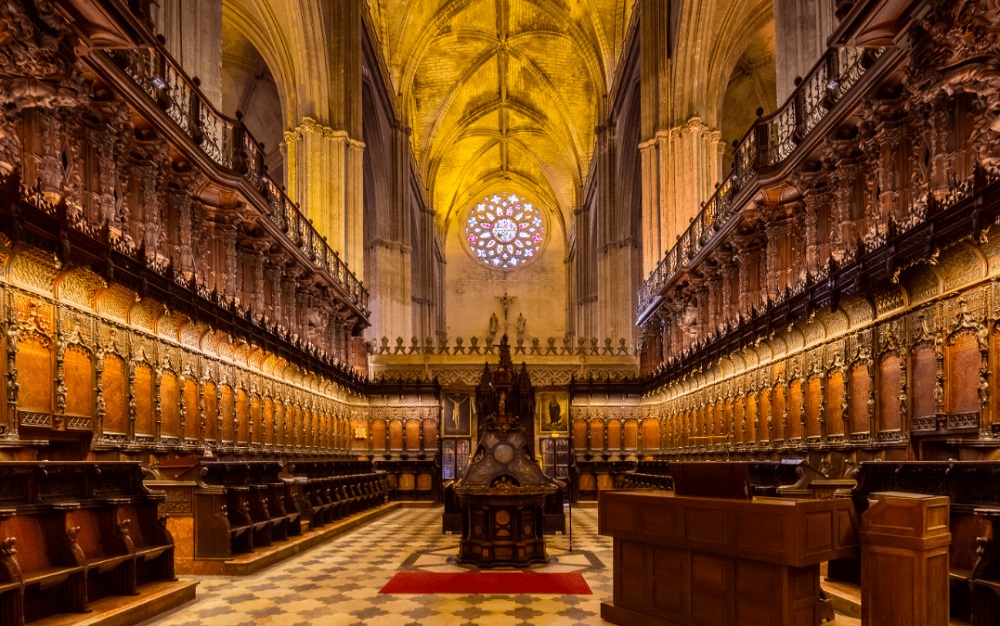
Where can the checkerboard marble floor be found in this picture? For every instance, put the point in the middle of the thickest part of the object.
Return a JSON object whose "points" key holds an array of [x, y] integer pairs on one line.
{"points": [[337, 583]]}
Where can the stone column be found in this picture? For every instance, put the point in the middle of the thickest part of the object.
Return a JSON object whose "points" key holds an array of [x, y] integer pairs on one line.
{"points": [[801, 28], [325, 150], [681, 156], [390, 255], [193, 32]]}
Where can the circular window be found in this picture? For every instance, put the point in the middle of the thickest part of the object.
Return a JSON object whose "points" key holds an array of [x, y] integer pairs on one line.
{"points": [[504, 231]]}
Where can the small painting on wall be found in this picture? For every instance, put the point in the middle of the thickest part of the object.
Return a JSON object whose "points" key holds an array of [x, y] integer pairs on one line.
{"points": [[553, 412], [457, 415]]}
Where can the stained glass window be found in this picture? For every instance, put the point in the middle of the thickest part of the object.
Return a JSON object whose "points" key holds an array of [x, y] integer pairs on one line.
{"points": [[504, 231]]}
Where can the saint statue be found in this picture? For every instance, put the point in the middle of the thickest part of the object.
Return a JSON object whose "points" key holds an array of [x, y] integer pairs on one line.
{"points": [[521, 323], [494, 326], [502, 404]]}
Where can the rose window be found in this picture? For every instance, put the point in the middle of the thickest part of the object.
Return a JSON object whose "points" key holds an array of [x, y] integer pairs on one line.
{"points": [[504, 231]]}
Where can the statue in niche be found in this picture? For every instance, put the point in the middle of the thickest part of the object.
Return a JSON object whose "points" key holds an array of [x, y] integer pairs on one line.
{"points": [[494, 327], [502, 404], [521, 323]]}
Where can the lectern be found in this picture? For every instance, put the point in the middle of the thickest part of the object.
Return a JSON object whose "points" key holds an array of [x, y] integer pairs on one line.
{"points": [[696, 561]]}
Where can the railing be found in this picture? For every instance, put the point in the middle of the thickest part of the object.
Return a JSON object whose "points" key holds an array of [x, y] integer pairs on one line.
{"points": [[770, 142], [229, 144]]}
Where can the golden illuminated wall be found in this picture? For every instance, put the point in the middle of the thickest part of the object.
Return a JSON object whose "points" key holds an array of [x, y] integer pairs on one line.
{"points": [[88, 360]]}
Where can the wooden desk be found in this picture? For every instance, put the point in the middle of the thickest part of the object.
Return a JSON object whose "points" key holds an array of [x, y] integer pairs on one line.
{"points": [[686, 561]]}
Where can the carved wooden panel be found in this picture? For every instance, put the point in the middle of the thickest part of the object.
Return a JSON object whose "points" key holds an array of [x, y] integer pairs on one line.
{"points": [[211, 402], [115, 383], [858, 396], [778, 411], [430, 434], [192, 421], [227, 411], [143, 394], [631, 434], [742, 430], [268, 416], [283, 426], [580, 434], [412, 434], [763, 434], [650, 434], [79, 380], [752, 416], [378, 434], [834, 403], [963, 363], [888, 393], [923, 380], [34, 375], [395, 434], [614, 435], [255, 418], [170, 410], [596, 434], [814, 407], [794, 404], [242, 417]]}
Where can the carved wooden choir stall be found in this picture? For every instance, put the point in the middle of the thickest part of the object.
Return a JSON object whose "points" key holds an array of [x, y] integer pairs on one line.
{"points": [[75, 532], [219, 509]]}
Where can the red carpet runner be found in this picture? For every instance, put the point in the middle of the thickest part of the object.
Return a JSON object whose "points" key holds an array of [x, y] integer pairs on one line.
{"points": [[486, 583]]}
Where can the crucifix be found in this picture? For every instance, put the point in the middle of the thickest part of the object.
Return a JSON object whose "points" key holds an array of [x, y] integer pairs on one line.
{"points": [[505, 301]]}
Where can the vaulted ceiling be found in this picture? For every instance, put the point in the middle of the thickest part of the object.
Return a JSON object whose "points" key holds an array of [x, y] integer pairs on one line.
{"points": [[502, 93]]}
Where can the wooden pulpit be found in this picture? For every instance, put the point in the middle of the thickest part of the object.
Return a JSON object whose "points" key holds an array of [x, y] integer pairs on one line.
{"points": [[696, 561]]}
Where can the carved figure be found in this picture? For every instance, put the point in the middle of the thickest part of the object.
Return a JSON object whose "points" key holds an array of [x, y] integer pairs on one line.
{"points": [[521, 323]]}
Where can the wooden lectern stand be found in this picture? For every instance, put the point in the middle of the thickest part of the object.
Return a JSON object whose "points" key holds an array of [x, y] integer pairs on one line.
{"points": [[694, 561]]}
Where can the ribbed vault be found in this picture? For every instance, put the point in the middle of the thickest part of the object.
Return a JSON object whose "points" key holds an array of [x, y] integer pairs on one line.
{"points": [[502, 92]]}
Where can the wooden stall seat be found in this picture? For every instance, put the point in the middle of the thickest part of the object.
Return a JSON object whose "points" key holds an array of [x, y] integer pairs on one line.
{"points": [[75, 532], [107, 555]]}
